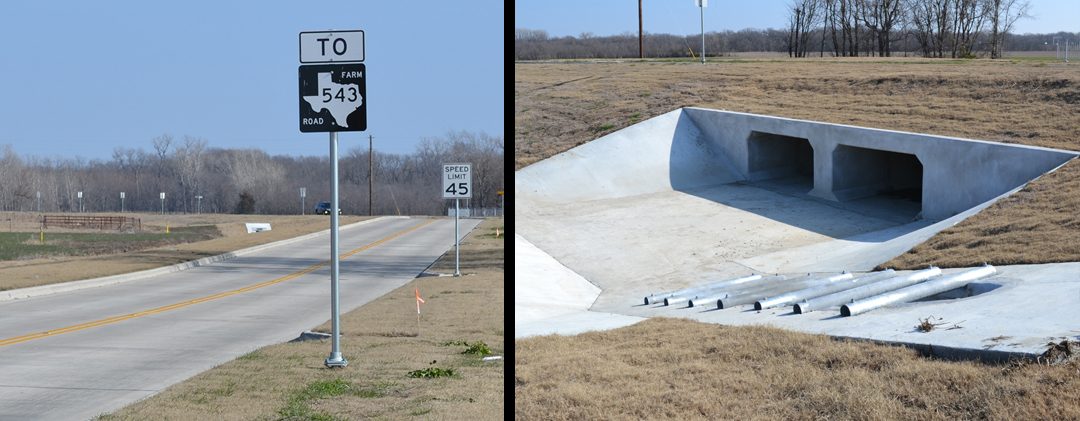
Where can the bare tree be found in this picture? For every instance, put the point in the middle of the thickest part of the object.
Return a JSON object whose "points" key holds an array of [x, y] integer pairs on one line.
{"points": [[1003, 14]]}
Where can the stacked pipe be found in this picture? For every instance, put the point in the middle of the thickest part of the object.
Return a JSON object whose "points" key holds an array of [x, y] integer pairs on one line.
{"points": [[747, 285], [917, 291], [752, 296], [813, 292], [868, 290], [653, 299]]}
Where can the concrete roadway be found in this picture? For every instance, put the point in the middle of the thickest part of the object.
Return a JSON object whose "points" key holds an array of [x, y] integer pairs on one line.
{"points": [[84, 371]]}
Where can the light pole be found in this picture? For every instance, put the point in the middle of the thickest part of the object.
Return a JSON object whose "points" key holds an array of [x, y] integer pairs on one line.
{"points": [[701, 4], [200, 203]]}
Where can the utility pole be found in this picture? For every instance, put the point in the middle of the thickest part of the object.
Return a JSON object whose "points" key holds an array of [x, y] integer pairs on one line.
{"points": [[640, 37], [371, 176]]}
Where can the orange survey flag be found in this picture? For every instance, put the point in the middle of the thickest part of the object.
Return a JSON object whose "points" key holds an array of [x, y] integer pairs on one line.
{"points": [[418, 301]]}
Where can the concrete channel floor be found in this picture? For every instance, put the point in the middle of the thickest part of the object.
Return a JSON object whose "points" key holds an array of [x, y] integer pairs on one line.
{"points": [[81, 373], [634, 246]]}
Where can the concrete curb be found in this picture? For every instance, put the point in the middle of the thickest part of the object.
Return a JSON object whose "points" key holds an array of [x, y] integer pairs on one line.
{"points": [[16, 294]]}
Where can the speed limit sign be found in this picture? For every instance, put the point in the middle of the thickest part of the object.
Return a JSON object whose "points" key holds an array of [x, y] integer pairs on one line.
{"points": [[457, 181]]}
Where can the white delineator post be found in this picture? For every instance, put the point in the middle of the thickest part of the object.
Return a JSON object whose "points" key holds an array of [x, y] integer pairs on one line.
{"points": [[335, 360]]}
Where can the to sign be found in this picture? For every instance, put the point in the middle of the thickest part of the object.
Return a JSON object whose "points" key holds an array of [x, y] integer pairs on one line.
{"points": [[333, 98], [457, 181], [332, 46]]}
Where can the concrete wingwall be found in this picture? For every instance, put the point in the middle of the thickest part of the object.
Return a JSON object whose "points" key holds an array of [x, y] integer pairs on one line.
{"points": [[660, 154], [852, 162]]}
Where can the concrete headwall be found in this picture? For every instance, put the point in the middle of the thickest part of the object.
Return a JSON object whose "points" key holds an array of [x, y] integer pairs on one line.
{"points": [[957, 174]]}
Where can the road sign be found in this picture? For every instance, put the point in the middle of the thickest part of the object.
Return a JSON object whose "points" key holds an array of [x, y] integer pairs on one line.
{"points": [[457, 181], [333, 98], [332, 46]]}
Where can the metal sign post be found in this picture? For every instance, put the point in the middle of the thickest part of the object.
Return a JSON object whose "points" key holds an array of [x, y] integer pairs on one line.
{"points": [[335, 360], [332, 99], [80, 202], [701, 4], [121, 202], [457, 185], [200, 204], [303, 194], [162, 203]]}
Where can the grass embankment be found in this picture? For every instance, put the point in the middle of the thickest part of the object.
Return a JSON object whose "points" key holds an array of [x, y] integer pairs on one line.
{"points": [[393, 372], [558, 106], [707, 372], [71, 255]]}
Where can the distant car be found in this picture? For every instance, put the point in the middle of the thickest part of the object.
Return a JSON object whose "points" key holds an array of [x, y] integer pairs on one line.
{"points": [[323, 208]]}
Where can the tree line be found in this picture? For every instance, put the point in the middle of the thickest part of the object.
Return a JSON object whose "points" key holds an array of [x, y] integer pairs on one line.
{"points": [[835, 28], [188, 167]]}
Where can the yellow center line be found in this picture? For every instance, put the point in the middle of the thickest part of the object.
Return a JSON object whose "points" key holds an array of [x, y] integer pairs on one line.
{"points": [[74, 328]]}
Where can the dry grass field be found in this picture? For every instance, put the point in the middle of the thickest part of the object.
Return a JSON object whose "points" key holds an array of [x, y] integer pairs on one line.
{"points": [[230, 230], [558, 106], [380, 340], [709, 372], [749, 372]]}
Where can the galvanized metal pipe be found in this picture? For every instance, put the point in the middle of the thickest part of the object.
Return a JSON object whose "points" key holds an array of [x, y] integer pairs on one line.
{"points": [[755, 283], [917, 291], [864, 291], [752, 296], [813, 292], [653, 299]]}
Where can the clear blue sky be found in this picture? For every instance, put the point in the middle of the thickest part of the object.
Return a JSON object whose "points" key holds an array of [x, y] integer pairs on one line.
{"points": [[85, 77], [680, 17]]}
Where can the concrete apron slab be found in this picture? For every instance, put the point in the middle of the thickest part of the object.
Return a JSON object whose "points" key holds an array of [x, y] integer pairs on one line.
{"points": [[658, 207]]}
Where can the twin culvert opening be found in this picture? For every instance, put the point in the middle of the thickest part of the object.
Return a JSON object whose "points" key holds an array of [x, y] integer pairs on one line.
{"points": [[856, 172]]}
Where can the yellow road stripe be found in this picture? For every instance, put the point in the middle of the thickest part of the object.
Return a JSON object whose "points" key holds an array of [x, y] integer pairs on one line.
{"points": [[38, 335]]}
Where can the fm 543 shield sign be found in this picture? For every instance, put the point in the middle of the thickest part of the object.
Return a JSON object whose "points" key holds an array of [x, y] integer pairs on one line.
{"points": [[333, 98]]}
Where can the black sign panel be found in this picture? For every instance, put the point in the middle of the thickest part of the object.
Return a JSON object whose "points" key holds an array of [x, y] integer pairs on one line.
{"points": [[333, 98]]}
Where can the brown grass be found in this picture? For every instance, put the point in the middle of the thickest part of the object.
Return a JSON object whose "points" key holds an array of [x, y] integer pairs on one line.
{"points": [[1038, 224], [707, 371], [558, 106], [43, 271], [379, 340]]}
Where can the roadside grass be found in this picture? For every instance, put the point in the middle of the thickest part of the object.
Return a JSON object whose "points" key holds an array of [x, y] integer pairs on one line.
{"points": [[709, 371], [71, 255], [1020, 100], [24, 245], [382, 344]]}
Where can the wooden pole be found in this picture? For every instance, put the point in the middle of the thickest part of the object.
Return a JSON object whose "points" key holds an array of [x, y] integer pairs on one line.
{"points": [[640, 37]]}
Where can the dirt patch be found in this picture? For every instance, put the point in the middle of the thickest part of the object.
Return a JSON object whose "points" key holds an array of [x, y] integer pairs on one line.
{"points": [[383, 345], [560, 105], [708, 371], [116, 259]]}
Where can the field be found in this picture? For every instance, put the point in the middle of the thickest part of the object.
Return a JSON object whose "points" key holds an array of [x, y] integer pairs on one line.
{"points": [[71, 255], [720, 372], [708, 372], [558, 106], [395, 370]]}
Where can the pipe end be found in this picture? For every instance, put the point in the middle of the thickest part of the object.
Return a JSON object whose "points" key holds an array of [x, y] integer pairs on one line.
{"points": [[797, 309], [646, 300], [845, 311], [757, 305], [720, 304], [666, 302]]}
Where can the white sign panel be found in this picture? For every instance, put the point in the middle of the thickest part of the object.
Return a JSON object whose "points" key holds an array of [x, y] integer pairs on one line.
{"points": [[457, 181], [332, 46], [701, 3]]}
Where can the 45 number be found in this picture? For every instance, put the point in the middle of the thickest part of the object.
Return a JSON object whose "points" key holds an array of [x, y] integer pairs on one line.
{"points": [[328, 95], [459, 189]]}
